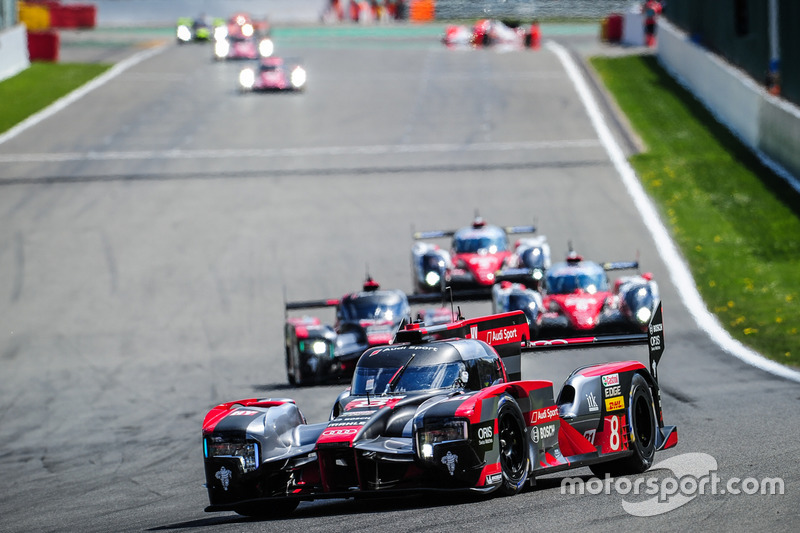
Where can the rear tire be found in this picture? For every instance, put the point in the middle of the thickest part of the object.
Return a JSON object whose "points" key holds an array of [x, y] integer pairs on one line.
{"points": [[642, 427], [513, 446]]}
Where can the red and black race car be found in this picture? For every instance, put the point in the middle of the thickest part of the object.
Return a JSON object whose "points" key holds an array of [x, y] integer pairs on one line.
{"points": [[316, 352], [477, 252], [443, 407]]}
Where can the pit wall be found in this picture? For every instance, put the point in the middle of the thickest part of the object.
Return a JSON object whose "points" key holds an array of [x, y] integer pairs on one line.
{"points": [[767, 124], [14, 51]]}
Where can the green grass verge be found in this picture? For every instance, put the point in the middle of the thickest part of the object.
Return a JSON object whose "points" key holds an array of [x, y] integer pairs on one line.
{"points": [[736, 223], [40, 85]]}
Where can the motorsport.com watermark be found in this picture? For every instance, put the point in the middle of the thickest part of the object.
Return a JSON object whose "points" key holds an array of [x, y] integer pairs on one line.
{"points": [[693, 474]]}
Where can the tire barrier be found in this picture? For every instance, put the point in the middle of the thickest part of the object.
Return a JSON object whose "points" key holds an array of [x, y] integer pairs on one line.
{"points": [[43, 45], [50, 14]]}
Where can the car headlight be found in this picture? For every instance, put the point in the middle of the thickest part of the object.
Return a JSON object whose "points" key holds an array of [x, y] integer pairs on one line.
{"points": [[220, 32], [245, 452], [319, 347], [247, 78], [247, 30], [432, 279], [643, 315], [429, 436], [266, 47], [221, 48], [298, 77], [184, 33]]}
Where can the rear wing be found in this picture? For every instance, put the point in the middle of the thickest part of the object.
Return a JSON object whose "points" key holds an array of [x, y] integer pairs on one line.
{"points": [[437, 234], [620, 265], [312, 304], [508, 334]]}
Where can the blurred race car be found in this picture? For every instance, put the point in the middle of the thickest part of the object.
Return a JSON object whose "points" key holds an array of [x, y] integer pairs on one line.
{"points": [[317, 352], [487, 32], [478, 251], [273, 74], [441, 408], [242, 25], [241, 47], [200, 29], [509, 296], [579, 297]]}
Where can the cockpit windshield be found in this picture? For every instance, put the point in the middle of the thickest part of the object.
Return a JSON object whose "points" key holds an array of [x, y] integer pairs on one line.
{"points": [[572, 280], [490, 240], [390, 307], [414, 378]]}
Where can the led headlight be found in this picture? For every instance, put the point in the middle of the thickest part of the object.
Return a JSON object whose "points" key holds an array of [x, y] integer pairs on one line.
{"points": [[448, 431], [220, 32], [247, 30], [221, 48], [245, 452], [319, 347], [266, 47], [247, 78], [184, 33], [432, 279], [643, 315], [298, 77]]}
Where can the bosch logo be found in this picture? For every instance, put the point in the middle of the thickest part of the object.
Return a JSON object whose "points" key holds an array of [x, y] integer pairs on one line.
{"points": [[485, 433]]}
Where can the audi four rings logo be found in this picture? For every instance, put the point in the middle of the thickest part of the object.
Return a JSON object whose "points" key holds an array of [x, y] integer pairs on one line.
{"points": [[553, 342], [334, 432]]}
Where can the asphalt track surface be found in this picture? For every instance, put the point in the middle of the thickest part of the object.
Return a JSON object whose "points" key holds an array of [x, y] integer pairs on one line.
{"points": [[148, 232]]}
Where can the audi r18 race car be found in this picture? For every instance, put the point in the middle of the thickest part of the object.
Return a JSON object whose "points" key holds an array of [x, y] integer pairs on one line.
{"points": [[317, 352], [509, 296], [486, 32], [578, 296], [477, 252], [442, 407], [273, 74]]}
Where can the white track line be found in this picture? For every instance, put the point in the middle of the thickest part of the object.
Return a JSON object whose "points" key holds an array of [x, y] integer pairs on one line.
{"points": [[66, 100], [296, 152], [679, 271]]}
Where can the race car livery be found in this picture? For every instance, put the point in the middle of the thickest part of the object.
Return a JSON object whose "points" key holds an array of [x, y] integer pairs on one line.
{"points": [[477, 252], [442, 407]]}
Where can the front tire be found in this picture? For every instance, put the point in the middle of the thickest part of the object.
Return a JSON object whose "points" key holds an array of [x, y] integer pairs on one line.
{"points": [[513, 447]]}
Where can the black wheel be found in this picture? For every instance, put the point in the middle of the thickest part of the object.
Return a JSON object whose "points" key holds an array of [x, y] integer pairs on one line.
{"points": [[642, 426], [277, 509], [513, 446]]}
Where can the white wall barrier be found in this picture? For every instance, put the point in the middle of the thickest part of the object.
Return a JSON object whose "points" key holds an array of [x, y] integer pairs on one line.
{"points": [[13, 51], [768, 125]]}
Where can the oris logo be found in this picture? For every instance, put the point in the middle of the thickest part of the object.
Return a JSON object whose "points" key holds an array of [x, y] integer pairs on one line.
{"points": [[485, 433]]}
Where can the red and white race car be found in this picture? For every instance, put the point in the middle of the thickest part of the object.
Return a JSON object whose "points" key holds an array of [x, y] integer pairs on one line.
{"points": [[478, 251], [578, 297], [487, 32]]}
